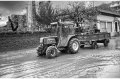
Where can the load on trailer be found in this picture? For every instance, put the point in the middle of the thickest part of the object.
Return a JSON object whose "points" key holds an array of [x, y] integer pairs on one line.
{"points": [[67, 39]]}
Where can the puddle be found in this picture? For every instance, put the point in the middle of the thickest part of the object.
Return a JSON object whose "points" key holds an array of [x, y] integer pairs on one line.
{"points": [[111, 71], [117, 43]]}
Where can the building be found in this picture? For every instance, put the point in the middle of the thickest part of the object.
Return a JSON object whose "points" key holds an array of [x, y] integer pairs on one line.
{"points": [[21, 19], [108, 22]]}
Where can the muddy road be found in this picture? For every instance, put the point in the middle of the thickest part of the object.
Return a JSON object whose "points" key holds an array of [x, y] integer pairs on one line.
{"points": [[103, 62]]}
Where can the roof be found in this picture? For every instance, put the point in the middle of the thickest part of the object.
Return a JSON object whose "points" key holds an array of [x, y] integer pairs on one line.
{"points": [[115, 4], [105, 12]]}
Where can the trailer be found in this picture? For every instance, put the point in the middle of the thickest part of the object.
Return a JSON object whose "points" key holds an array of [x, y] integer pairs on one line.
{"points": [[93, 39]]}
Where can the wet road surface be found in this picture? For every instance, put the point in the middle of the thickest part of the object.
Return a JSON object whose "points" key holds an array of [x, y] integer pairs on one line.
{"points": [[87, 63]]}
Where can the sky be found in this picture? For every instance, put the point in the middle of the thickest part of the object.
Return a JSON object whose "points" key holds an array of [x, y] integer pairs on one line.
{"points": [[19, 7]]}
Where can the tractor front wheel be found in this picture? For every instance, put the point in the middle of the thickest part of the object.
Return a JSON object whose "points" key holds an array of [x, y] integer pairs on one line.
{"points": [[40, 51], [73, 46], [40, 54], [51, 52]]}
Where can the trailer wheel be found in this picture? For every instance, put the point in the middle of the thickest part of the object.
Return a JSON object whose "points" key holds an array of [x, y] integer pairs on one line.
{"points": [[82, 46], [73, 46], [94, 45], [105, 43], [51, 52]]}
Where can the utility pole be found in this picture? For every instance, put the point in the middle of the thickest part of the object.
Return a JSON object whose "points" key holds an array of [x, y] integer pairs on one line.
{"points": [[29, 15], [93, 4], [0, 16]]}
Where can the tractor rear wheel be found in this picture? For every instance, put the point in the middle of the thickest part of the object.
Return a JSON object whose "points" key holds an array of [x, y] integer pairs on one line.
{"points": [[51, 52], [73, 46]]}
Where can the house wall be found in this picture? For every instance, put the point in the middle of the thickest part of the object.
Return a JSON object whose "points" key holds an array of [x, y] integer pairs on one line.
{"points": [[108, 19]]}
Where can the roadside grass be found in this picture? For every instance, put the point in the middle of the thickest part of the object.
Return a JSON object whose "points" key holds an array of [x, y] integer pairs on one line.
{"points": [[10, 43], [17, 43]]}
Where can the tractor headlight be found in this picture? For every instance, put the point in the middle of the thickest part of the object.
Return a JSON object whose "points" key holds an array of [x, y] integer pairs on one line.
{"points": [[41, 45]]}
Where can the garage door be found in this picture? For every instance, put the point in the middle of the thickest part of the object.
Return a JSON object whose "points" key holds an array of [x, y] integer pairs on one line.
{"points": [[103, 26], [109, 27]]}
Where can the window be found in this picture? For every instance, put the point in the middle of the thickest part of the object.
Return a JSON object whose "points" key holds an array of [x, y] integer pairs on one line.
{"points": [[103, 26], [116, 26], [109, 27]]}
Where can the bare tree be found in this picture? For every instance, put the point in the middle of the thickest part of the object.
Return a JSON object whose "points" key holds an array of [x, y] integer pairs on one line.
{"points": [[45, 13], [79, 13]]}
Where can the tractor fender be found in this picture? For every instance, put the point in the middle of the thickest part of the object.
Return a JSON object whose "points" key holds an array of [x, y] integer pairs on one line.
{"points": [[64, 41], [69, 38]]}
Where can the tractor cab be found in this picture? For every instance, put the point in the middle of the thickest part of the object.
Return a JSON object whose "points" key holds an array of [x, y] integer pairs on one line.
{"points": [[64, 30]]}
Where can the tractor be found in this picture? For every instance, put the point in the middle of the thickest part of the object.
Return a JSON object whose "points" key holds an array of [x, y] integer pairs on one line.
{"points": [[65, 39]]}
